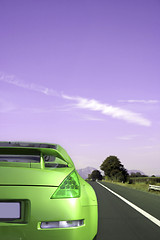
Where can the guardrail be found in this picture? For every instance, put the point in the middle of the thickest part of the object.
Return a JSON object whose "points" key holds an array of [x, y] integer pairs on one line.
{"points": [[154, 187]]}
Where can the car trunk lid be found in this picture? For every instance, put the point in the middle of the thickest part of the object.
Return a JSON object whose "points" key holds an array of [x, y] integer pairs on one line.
{"points": [[32, 176]]}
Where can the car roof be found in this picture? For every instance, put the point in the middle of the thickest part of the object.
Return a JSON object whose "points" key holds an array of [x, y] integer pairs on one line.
{"points": [[28, 144]]}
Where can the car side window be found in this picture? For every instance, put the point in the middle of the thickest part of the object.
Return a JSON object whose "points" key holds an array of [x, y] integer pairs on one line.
{"points": [[54, 162]]}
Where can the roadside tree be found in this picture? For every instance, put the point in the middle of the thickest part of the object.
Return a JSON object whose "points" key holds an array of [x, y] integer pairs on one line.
{"points": [[113, 169], [96, 175]]}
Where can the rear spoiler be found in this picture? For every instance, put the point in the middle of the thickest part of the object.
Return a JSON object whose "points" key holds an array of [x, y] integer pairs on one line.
{"points": [[34, 151]]}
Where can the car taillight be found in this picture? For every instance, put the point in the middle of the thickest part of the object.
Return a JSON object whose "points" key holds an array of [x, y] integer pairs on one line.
{"points": [[69, 188]]}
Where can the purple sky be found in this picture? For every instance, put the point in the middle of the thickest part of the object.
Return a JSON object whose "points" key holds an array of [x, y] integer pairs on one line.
{"points": [[84, 74]]}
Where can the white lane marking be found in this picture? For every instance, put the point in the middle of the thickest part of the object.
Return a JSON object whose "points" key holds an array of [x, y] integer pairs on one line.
{"points": [[147, 215]]}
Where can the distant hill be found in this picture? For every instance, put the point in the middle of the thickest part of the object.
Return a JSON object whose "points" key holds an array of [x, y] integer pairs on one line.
{"points": [[135, 171], [83, 172]]}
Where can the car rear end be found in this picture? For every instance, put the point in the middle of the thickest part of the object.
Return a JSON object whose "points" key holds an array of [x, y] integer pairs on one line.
{"points": [[42, 196]]}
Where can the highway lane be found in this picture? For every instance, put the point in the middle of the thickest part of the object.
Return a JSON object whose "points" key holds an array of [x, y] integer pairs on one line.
{"points": [[117, 220], [147, 201]]}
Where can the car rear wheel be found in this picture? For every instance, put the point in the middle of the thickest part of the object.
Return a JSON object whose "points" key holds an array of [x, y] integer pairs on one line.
{"points": [[95, 238]]}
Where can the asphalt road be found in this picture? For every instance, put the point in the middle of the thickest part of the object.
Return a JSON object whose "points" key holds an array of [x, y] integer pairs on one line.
{"points": [[119, 221]]}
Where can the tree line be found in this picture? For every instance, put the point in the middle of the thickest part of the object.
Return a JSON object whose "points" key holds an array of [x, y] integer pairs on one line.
{"points": [[113, 170]]}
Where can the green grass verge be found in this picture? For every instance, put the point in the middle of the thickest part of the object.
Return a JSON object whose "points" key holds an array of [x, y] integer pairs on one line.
{"points": [[138, 186]]}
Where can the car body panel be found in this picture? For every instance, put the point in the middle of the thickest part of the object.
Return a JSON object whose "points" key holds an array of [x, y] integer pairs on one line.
{"points": [[32, 176], [33, 188]]}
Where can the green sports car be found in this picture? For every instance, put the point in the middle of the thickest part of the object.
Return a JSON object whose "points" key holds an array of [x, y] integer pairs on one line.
{"points": [[42, 196]]}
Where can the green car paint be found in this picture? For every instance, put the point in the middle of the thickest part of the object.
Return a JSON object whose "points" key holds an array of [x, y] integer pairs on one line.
{"points": [[51, 201]]}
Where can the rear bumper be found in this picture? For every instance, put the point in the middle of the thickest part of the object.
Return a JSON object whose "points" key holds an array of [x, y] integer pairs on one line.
{"points": [[38, 207]]}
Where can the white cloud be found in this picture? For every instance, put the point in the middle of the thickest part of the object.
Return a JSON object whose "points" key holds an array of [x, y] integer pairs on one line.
{"points": [[32, 86], [127, 137], [109, 110], [82, 103], [151, 101]]}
